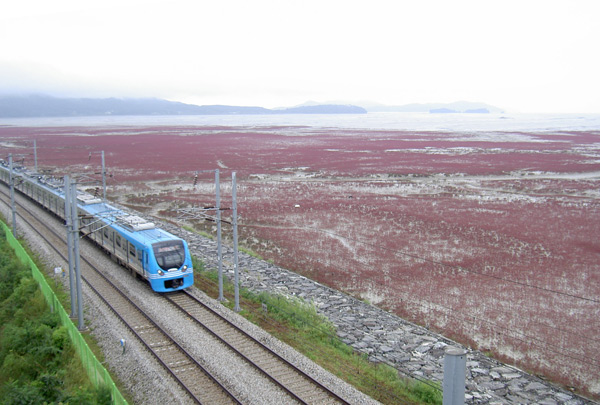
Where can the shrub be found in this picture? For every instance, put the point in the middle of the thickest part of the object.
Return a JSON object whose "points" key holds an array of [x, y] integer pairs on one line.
{"points": [[36, 355]]}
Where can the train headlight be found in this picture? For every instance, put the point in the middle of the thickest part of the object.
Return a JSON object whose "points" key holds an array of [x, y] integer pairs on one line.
{"points": [[184, 267], [161, 273]]}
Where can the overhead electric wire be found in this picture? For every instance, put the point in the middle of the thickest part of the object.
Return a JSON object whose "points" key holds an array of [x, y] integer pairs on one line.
{"points": [[566, 353], [456, 267], [467, 270], [499, 328], [453, 266]]}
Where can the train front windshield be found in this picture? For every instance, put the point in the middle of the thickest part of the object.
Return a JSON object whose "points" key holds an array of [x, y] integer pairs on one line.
{"points": [[169, 254]]}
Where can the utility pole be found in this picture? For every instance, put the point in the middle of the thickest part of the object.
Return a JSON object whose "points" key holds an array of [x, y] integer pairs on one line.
{"points": [[219, 249], [71, 217], [69, 220], [35, 155], [103, 174], [12, 195], [199, 213], [235, 243], [75, 237], [103, 179]]}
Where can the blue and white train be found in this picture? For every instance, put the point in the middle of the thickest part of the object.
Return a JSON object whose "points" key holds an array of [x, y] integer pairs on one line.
{"points": [[152, 253]]}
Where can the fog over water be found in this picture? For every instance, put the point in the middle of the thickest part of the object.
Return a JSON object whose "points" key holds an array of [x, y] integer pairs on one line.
{"points": [[459, 122]]}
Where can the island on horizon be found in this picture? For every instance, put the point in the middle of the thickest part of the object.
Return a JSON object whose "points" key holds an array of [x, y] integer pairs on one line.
{"points": [[38, 105]]}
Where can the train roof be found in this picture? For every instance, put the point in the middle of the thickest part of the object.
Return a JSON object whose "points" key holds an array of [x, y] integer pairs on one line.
{"points": [[51, 183], [132, 226]]}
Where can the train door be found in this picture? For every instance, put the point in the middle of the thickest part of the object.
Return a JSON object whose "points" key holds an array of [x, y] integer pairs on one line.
{"points": [[131, 256], [104, 236], [131, 260], [140, 262], [144, 263], [118, 249]]}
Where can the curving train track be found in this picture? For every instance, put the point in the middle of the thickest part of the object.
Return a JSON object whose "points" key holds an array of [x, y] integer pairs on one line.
{"points": [[200, 385], [290, 378], [195, 380]]}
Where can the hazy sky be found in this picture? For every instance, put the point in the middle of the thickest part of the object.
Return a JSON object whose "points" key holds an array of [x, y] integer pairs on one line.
{"points": [[522, 55]]}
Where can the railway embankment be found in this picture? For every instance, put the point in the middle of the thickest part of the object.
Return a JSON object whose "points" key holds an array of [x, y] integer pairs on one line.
{"points": [[412, 349]]}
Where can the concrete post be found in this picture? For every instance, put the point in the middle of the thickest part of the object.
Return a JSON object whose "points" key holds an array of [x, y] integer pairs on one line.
{"points": [[455, 366]]}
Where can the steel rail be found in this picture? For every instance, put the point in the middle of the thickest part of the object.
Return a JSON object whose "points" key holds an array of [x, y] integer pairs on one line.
{"points": [[135, 306], [266, 350]]}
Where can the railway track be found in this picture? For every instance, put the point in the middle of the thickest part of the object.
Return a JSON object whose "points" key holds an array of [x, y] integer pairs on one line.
{"points": [[198, 382], [201, 386], [290, 378]]}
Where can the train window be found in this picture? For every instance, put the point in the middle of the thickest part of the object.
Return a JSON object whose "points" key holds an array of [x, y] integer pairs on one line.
{"points": [[118, 241], [132, 250], [105, 233], [169, 254]]}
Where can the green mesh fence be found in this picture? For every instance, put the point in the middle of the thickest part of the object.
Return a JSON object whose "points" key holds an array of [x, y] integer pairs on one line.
{"points": [[96, 371]]}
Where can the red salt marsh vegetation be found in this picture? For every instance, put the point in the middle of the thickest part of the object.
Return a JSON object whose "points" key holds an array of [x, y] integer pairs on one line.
{"points": [[490, 238]]}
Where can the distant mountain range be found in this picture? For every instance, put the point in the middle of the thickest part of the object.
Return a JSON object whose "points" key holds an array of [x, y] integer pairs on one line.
{"points": [[47, 106], [455, 107]]}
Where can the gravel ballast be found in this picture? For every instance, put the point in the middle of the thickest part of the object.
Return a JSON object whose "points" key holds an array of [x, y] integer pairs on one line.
{"points": [[139, 374], [413, 350]]}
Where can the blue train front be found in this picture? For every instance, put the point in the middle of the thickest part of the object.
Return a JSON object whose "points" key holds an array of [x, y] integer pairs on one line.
{"points": [[171, 267], [147, 251], [150, 252]]}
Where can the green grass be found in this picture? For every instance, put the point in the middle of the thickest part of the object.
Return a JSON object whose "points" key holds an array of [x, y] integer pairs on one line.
{"points": [[211, 236], [251, 253], [38, 363], [65, 300], [297, 323], [201, 233]]}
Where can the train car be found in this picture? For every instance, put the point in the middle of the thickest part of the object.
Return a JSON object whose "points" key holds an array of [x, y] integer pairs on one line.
{"points": [[150, 252]]}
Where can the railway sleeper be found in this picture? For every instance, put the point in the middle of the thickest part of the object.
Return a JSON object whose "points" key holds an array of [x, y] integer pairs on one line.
{"points": [[143, 327], [305, 390], [181, 364], [245, 346], [287, 377], [237, 340], [273, 368], [162, 346]]}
